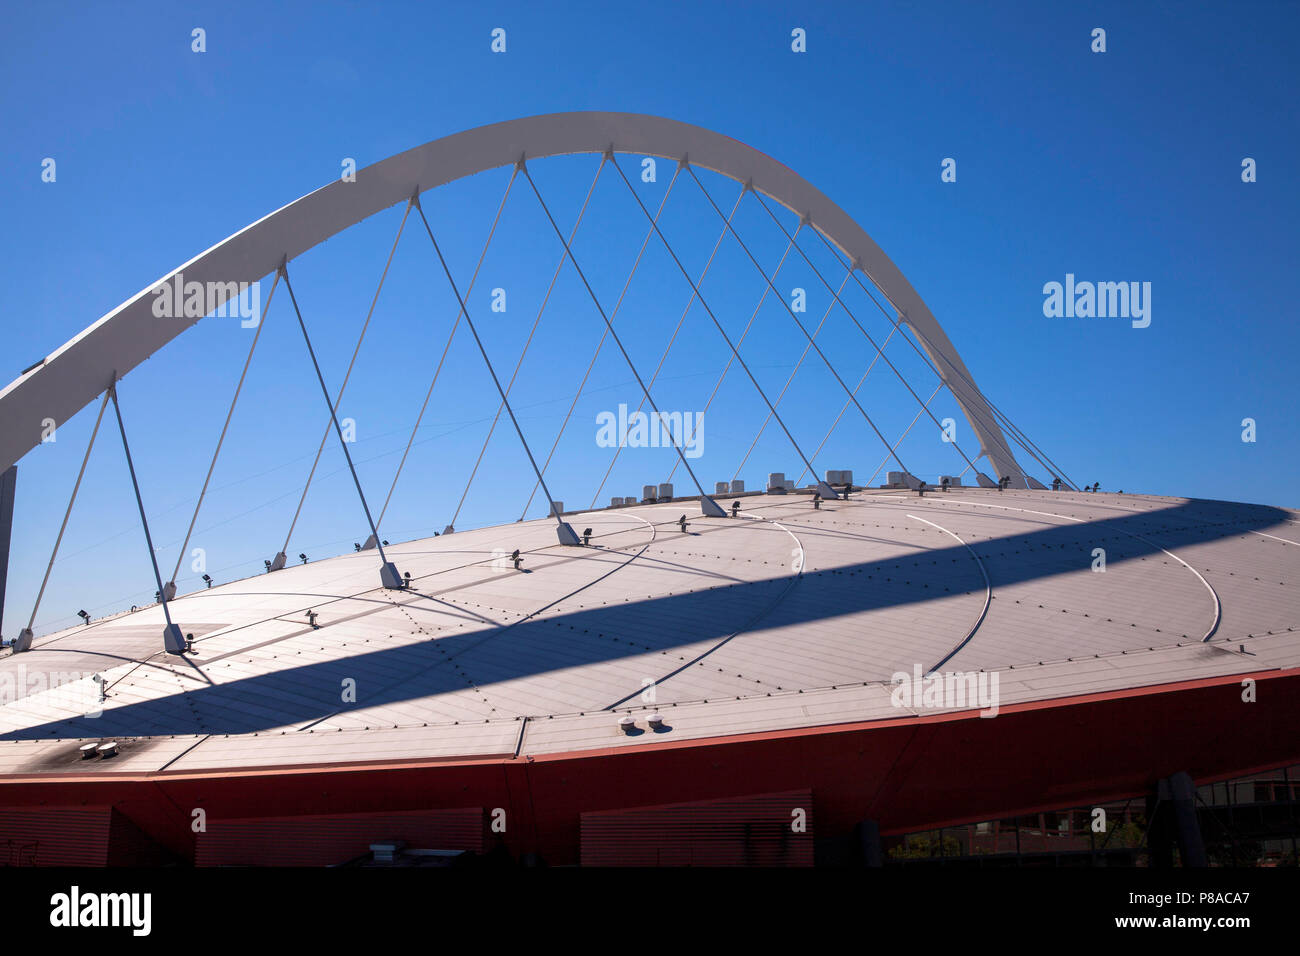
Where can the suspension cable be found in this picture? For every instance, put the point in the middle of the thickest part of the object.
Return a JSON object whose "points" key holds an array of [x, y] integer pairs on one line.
{"points": [[221, 439], [854, 319], [334, 418], [446, 348], [599, 308], [815, 346], [718, 325], [600, 344], [68, 513], [784, 388], [744, 334], [148, 539], [916, 418], [518, 365], [334, 408], [487, 361], [847, 403], [664, 358], [997, 414]]}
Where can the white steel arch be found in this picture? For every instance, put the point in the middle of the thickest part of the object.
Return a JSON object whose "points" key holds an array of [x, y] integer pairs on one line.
{"points": [[76, 373]]}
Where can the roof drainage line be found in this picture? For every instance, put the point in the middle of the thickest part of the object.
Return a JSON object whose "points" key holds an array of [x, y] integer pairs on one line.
{"points": [[446, 348], [707, 505], [469, 321], [798, 554], [221, 439], [849, 312], [815, 346], [500, 628], [334, 409], [26, 636], [531, 332], [748, 325], [797, 365], [601, 344], [847, 403], [672, 339], [969, 464], [1218, 606], [988, 594], [718, 325], [993, 410]]}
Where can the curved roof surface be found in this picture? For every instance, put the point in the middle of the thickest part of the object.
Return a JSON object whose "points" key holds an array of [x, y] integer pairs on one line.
{"points": [[784, 617]]}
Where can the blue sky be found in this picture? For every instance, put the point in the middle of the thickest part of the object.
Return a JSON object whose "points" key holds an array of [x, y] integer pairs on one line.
{"points": [[1115, 166]]}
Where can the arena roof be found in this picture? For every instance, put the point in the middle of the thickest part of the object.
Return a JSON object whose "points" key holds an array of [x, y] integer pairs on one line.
{"points": [[783, 617]]}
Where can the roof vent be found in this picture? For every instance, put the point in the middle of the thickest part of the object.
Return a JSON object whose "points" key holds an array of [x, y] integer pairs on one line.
{"points": [[88, 751], [627, 723], [108, 750], [656, 721]]}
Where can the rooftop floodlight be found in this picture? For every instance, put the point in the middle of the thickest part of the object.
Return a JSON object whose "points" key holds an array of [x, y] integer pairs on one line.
{"points": [[303, 558], [85, 618], [311, 619], [735, 508], [268, 566], [406, 580], [920, 489], [817, 501], [516, 559], [682, 521], [1056, 484], [207, 579], [355, 546], [586, 536], [385, 543], [189, 643], [945, 482]]}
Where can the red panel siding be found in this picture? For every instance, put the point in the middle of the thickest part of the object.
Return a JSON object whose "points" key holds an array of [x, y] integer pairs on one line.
{"points": [[55, 836], [747, 831], [329, 840]]}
